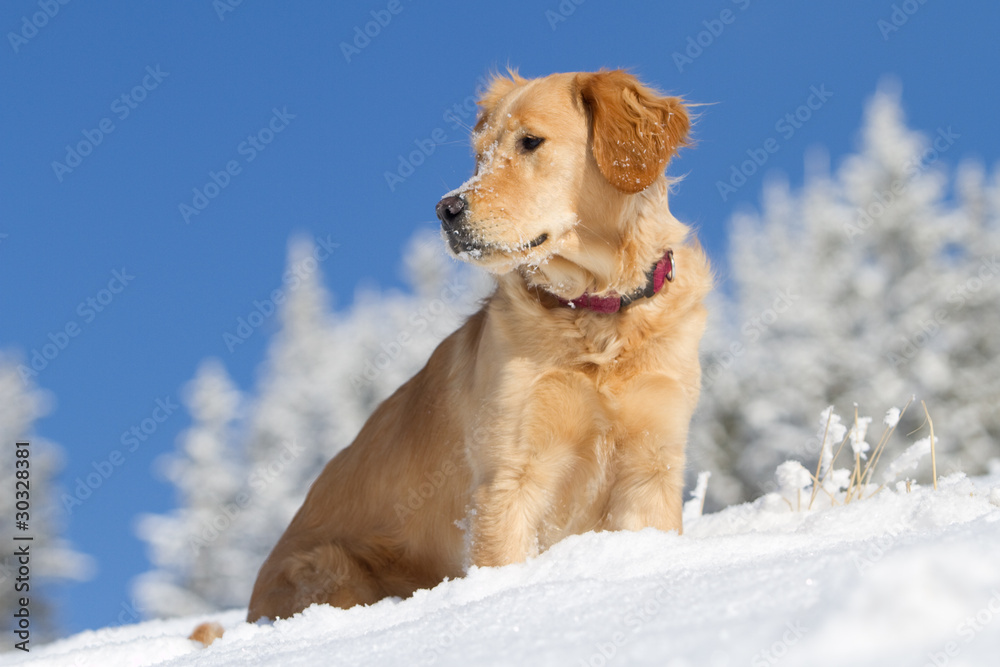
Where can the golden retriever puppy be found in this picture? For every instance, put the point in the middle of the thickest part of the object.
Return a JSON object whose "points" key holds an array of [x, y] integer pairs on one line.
{"points": [[563, 405]]}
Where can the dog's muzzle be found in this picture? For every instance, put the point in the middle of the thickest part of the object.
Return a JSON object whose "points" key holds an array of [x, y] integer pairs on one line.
{"points": [[453, 213]]}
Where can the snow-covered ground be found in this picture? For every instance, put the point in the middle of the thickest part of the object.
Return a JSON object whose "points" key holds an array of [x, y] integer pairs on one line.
{"points": [[900, 578]]}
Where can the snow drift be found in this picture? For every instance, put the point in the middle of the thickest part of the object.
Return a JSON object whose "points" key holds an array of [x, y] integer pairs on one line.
{"points": [[900, 578]]}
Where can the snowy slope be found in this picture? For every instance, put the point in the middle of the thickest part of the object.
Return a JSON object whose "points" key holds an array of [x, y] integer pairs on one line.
{"points": [[897, 579]]}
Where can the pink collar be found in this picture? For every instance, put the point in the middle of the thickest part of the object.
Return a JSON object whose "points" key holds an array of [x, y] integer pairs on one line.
{"points": [[661, 273]]}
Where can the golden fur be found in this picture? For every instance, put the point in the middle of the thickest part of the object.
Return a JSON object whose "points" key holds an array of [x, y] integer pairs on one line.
{"points": [[533, 421]]}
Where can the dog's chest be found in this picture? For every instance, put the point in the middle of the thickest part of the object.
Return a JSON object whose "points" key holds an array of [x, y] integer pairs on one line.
{"points": [[600, 343]]}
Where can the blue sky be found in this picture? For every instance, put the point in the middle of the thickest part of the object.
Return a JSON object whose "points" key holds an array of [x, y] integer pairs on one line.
{"points": [[263, 110]]}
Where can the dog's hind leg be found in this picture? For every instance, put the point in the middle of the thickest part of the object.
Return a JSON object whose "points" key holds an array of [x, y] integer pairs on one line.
{"points": [[328, 573]]}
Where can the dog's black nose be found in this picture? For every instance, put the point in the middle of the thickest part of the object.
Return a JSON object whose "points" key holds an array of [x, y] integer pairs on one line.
{"points": [[450, 210]]}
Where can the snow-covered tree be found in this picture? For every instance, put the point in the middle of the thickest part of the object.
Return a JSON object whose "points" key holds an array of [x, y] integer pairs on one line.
{"points": [[870, 285], [244, 466], [52, 557], [208, 474]]}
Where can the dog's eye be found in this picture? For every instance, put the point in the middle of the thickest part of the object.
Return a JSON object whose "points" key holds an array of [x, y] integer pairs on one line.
{"points": [[530, 143]]}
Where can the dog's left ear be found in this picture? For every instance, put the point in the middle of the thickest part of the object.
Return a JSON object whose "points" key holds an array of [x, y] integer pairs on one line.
{"points": [[635, 130]]}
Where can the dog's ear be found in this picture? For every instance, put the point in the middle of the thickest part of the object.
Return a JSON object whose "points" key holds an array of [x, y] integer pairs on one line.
{"points": [[635, 130], [498, 86]]}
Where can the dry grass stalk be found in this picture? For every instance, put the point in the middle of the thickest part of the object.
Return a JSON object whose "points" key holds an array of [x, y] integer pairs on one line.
{"points": [[854, 482], [930, 423], [854, 485], [828, 470], [861, 477], [819, 463], [877, 454]]}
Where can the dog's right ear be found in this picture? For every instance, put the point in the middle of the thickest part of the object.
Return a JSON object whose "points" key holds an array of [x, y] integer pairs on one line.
{"points": [[635, 130], [498, 86]]}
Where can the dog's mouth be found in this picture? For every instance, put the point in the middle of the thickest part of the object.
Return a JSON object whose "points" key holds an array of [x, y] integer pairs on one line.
{"points": [[472, 248]]}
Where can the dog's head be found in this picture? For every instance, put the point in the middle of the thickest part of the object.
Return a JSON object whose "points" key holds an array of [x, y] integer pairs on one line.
{"points": [[557, 161]]}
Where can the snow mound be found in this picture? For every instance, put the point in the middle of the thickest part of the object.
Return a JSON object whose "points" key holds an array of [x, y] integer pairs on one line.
{"points": [[899, 578]]}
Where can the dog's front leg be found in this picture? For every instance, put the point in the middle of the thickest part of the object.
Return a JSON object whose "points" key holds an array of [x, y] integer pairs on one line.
{"points": [[649, 456], [505, 521], [524, 463]]}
